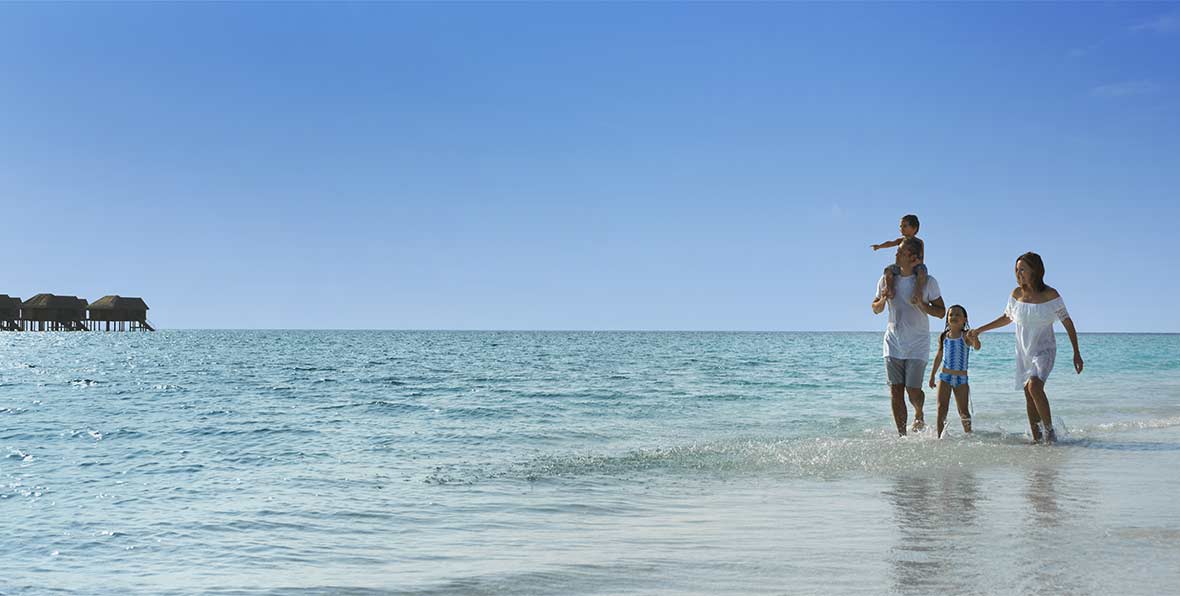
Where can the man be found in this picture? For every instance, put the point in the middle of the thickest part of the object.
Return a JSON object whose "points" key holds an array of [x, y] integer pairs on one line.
{"points": [[907, 337]]}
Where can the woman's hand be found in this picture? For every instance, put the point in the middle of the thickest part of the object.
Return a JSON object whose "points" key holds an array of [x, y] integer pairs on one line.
{"points": [[932, 382], [973, 335], [1077, 362]]}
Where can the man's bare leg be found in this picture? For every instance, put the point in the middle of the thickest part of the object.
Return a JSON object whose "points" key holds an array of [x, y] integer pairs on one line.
{"points": [[897, 400], [917, 398]]}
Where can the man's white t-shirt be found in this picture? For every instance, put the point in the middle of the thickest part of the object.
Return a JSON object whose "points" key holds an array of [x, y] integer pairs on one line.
{"points": [[908, 334]]}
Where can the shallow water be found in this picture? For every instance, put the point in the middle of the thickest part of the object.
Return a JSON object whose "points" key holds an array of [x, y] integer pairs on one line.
{"points": [[573, 463]]}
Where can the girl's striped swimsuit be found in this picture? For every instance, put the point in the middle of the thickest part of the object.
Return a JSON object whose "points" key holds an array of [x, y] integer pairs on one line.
{"points": [[954, 357]]}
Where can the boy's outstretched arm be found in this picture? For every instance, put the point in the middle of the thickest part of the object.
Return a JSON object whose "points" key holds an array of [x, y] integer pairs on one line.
{"points": [[888, 244]]}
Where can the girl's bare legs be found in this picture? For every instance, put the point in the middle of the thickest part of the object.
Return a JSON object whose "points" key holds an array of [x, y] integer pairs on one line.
{"points": [[962, 395], [1034, 419], [944, 402], [1036, 389]]}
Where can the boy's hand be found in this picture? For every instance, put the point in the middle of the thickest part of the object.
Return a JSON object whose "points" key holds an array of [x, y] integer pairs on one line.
{"points": [[876, 247]]}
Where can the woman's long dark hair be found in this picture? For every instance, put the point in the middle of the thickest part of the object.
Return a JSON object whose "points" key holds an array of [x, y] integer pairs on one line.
{"points": [[1034, 262], [947, 329]]}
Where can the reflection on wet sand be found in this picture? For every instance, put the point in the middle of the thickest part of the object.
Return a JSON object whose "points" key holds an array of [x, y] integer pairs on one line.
{"points": [[937, 520], [1042, 498], [1047, 564]]}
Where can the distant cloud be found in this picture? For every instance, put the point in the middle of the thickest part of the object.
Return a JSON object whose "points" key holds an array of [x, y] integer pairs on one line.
{"points": [[1124, 89], [1167, 23]]}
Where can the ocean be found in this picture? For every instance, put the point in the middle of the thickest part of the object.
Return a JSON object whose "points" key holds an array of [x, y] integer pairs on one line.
{"points": [[387, 462]]}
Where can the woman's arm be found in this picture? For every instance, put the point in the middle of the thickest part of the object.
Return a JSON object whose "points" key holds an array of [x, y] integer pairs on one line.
{"points": [[973, 341], [1073, 339], [937, 364], [1000, 321]]}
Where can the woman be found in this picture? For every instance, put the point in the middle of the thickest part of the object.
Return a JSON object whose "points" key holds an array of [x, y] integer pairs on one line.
{"points": [[1034, 307]]}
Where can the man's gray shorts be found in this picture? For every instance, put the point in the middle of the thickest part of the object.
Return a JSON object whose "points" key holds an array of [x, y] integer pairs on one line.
{"points": [[905, 372]]}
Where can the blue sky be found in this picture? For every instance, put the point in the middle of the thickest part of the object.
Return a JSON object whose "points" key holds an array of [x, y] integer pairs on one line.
{"points": [[587, 166]]}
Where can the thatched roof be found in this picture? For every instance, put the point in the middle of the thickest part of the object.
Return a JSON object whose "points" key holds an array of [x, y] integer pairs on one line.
{"points": [[9, 302], [50, 301], [118, 303]]}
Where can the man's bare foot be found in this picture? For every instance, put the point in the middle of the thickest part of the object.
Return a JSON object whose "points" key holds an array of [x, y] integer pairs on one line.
{"points": [[919, 424], [1050, 436], [966, 425]]}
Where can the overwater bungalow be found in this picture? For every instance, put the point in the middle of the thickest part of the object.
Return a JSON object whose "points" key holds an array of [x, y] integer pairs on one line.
{"points": [[10, 313], [48, 312], [124, 313]]}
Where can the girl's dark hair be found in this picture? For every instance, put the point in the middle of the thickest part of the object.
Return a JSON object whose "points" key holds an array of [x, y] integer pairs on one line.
{"points": [[1034, 262], [947, 328]]}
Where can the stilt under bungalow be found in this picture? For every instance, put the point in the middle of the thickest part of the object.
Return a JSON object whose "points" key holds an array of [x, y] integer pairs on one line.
{"points": [[125, 313]]}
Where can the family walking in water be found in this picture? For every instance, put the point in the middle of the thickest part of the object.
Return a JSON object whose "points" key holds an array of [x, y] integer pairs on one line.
{"points": [[911, 295]]}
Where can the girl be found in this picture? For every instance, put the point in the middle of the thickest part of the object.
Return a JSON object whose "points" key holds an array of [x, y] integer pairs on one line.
{"points": [[1034, 307], [954, 342]]}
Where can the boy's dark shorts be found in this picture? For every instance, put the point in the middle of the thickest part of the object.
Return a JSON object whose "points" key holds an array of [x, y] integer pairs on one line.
{"points": [[919, 269]]}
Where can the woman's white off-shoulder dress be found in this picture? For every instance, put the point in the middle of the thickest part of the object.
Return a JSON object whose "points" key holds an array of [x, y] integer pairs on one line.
{"points": [[1036, 346]]}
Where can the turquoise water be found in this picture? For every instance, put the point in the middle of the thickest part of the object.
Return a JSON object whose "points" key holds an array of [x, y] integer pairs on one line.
{"points": [[570, 463]]}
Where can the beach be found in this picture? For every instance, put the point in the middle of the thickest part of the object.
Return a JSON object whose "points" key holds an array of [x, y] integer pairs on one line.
{"points": [[368, 462]]}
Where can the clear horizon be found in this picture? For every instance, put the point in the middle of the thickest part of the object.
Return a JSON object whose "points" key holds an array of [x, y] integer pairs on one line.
{"points": [[494, 166]]}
